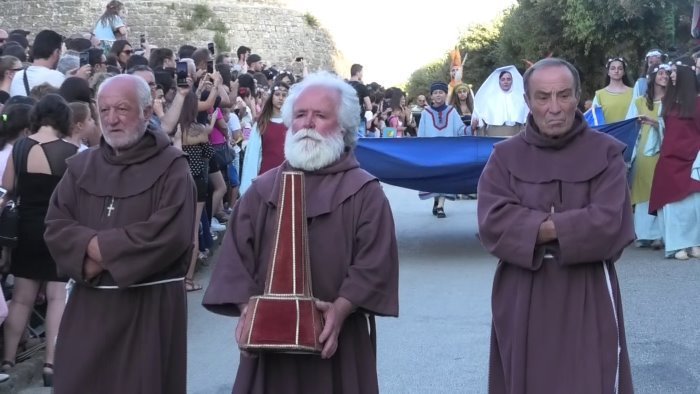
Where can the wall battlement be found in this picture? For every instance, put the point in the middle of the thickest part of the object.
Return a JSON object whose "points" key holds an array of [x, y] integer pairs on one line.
{"points": [[274, 31]]}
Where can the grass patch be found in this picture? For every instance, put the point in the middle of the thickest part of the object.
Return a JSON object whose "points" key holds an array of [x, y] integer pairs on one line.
{"points": [[221, 42], [200, 16], [311, 20]]}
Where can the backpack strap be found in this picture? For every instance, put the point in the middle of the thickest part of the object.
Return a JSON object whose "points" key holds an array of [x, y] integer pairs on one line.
{"points": [[26, 80]]}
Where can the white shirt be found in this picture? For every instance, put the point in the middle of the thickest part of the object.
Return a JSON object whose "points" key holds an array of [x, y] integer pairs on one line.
{"points": [[36, 75]]}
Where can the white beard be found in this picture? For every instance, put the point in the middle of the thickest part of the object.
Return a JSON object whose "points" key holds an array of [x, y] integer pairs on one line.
{"points": [[309, 151]]}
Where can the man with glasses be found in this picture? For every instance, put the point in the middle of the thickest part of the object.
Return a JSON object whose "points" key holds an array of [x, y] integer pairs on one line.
{"points": [[166, 121], [47, 52]]}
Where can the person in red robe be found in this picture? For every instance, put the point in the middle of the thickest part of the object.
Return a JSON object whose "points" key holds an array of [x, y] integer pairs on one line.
{"points": [[554, 207], [120, 224], [352, 248], [675, 195]]}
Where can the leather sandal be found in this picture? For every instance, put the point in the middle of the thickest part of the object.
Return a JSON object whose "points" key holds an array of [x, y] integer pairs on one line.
{"points": [[48, 376], [440, 213], [7, 365], [191, 286]]}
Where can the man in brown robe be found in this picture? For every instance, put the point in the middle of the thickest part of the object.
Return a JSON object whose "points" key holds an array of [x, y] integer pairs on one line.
{"points": [[554, 208], [120, 225], [352, 249]]}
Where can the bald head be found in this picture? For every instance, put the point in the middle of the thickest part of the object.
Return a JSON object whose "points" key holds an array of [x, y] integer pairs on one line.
{"points": [[3, 37], [124, 105]]}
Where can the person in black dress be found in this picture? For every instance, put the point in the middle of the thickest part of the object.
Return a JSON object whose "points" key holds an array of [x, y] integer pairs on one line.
{"points": [[41, 159]]}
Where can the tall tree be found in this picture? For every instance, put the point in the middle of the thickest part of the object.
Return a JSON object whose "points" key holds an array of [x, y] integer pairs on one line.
{"points": [[585, 32]]}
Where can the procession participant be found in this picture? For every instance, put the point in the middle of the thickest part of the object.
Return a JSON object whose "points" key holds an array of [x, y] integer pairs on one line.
{"points": [[352, 248], [554, 208], [652, 60], [616, 96], [675, 196], [646, 109], [120, 225], [499, 107], [439, 120], [463, 101]]}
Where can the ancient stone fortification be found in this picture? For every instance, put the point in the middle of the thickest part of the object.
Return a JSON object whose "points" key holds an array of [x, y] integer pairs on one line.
{"points": [[276, 32]]}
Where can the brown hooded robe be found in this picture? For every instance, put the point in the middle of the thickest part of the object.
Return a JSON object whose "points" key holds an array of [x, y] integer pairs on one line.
{"points": [[557, 321], [141, 207], [353, 254]]}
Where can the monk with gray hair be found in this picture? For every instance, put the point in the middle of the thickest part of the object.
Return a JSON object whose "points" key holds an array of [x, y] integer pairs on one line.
{"points": [[351, 244], [554, 208], [120, 225]]}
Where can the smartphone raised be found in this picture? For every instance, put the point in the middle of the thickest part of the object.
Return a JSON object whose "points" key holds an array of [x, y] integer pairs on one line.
{"points": [[181, 74], [143, 38], [243, 92], [210, 67], [84, 58], [211, 47], [299, 59]]}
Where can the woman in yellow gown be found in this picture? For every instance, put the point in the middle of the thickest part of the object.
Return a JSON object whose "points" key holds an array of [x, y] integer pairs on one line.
{"points": [[615, 98], [647, 108]]}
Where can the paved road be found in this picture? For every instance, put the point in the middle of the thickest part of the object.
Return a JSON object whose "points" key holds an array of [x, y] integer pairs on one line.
{"points": [[440, 342]]}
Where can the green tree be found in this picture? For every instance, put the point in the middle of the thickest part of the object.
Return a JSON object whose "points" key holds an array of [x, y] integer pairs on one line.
{"points": [[584, 32], [420, 80], [480, 45]]}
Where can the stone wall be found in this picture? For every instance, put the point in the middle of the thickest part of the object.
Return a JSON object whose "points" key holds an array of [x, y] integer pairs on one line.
{"points": [[275, 32]]}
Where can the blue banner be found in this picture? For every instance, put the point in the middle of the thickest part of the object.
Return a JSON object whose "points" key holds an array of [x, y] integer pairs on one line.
{"points": [[450, 165]]}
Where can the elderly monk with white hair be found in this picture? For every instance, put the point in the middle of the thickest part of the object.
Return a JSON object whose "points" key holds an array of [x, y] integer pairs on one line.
{"points": [[351, 241], [120, 225]]}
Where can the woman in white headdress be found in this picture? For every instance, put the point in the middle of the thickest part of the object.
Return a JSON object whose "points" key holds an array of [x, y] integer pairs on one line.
{"points": [[499, 104]]}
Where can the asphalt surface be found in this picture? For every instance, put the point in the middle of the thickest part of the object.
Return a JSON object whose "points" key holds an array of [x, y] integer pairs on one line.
{"points": [[440, 342]]}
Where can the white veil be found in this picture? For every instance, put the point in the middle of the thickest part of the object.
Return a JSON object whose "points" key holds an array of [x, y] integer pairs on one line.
{"points": [[494, 106]]}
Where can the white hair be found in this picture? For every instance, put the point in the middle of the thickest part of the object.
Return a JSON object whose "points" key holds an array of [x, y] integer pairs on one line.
{"points": [[143, 91], [67, 63], [348, 111]]}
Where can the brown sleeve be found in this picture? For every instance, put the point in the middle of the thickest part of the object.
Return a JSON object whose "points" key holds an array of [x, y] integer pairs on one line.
{"points": [[234, 279], [507, 229], [67, 239], [137, 251], [601, 230], [372, 280]]}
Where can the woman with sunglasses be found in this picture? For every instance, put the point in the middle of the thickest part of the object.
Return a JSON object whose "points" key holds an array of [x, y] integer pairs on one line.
{"points": [[675, 194], [646, 109], [9, 65], [615, 98], [122, 51]]}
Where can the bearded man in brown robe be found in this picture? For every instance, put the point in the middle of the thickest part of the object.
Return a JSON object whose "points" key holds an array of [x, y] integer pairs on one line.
{"points": [[554, 207], [352, 249], [120, 225]]}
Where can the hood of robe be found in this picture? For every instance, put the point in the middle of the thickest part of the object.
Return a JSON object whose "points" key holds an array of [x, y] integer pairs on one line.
{"points": [[577, 156], [101, 172], [325, 188]]}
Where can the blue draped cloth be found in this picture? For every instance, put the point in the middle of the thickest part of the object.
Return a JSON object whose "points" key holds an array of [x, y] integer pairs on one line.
{"points": [[450, 165]]}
